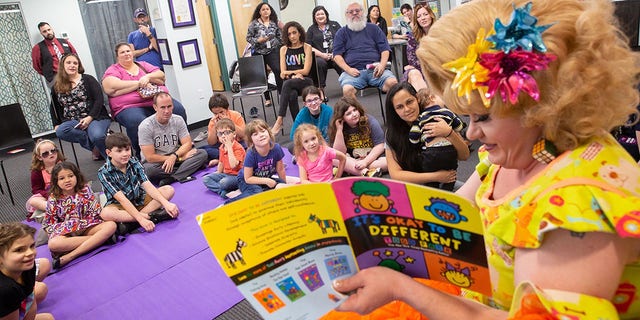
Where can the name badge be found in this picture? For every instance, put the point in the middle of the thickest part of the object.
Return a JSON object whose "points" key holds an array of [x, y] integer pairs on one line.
{"points": [[325, 44]]}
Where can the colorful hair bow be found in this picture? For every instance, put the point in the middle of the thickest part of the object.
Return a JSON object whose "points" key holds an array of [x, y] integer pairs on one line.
{"points": [[503, 60]]}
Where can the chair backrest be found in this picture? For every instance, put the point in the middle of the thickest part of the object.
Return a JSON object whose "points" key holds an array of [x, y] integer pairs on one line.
{"points": [[14, 130], [313, 74], [252, 72]]}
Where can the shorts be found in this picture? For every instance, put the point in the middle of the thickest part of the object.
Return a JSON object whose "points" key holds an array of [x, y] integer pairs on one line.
{"points": [[147, 199], [365, 79]]}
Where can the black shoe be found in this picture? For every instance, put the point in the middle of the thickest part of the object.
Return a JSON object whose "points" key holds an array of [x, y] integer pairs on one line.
{"points": [[166, 181], [159, 215], [113, 239], [56, 263], [253, 112], [125, 228]]}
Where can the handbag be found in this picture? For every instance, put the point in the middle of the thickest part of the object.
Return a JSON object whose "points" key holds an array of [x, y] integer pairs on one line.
{"points": [[149, 91]]}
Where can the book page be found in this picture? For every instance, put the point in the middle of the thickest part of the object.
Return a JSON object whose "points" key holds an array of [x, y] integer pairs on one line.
{"points": [[283, 248], [420, 231]]}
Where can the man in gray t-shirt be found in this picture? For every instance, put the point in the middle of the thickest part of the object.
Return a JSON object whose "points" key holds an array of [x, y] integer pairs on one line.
{"points": [[167, 151]]}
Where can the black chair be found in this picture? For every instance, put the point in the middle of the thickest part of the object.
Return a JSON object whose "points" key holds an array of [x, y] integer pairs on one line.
{"points": [[15, 138], [253, 82], [315, 75]]}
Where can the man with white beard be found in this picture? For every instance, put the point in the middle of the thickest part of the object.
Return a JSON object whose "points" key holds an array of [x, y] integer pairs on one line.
{"points": [[362, 51]]}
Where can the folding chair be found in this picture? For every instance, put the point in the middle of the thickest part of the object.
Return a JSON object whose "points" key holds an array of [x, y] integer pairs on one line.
{"points": [[384, 120], [253, 82], [15, 138]]}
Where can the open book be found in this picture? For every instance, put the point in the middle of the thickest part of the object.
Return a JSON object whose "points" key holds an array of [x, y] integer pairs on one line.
{"points": [[283, 248]]}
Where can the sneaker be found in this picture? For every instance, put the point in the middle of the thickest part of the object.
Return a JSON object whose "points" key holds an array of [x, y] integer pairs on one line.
{"points": [[373, 173], [253, 112], [201, 136]]}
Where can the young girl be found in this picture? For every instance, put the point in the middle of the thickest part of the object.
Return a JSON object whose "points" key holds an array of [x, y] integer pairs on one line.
{"points": [[315, 158], [359, 136], [262, 161], [72, 218], [18, 273], [45, 155]]}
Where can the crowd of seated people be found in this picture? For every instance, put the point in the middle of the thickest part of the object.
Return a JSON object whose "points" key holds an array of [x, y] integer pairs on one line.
{"points": [[422, 143]]}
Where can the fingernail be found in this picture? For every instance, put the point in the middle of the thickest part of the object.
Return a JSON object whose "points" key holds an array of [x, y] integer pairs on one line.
{"points": [[336, 283]]}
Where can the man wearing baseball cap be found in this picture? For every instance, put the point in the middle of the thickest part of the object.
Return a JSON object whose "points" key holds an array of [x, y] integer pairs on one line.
{"points": [[144, 40]]}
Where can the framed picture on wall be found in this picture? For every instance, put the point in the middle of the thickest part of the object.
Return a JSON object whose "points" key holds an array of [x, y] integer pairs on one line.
{"points": [[165, 54], [435, 7], [182, 13], [189, 53]]}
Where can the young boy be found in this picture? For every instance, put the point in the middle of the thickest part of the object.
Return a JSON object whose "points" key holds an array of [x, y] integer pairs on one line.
{"points": [[219, 106], [232, 155], [131, 197]]}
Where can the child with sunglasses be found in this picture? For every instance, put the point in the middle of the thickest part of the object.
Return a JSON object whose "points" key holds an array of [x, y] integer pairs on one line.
{"points": [[44, 157]]}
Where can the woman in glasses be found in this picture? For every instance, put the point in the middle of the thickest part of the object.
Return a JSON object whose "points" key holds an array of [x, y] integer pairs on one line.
{"points": [[79, 114]]}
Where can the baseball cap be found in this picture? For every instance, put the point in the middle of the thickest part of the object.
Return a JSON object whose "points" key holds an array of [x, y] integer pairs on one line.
{"points": [[139, 11]]}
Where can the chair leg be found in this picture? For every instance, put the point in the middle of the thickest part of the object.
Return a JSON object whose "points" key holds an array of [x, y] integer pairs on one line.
{"points": [[6, 181], [384, 120], [75, 156]]}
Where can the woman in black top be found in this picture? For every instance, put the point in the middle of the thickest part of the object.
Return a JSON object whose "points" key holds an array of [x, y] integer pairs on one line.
{"points": [[374, 16], [320, 36]]}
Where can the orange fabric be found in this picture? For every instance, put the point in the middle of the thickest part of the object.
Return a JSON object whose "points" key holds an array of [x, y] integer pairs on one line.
{"points": [[395, 310], [532, 309]]}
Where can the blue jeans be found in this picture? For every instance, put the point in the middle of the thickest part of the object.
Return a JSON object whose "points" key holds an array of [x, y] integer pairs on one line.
{"points": [[220, 183], [366, 78], [130, 118], [250, 189], [92, 137]]}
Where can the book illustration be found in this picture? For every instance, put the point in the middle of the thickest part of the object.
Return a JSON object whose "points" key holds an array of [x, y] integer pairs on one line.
{"points": [[311, 277], [269, 300], [290, 289], [372, 196], [234, 256], [337, 266], [291, 243], [324, 224]]}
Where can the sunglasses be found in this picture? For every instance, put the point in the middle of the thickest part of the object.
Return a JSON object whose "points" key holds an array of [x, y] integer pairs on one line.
{"points": [[224, 133], [47, 153]]}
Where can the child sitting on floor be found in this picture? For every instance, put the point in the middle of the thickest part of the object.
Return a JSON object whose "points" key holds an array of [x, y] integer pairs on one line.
{"points": [[45, 155], [72, 218], [315, 158], [18, 273], [219, 106], [262, 162], [232, 154], [131, 197]]}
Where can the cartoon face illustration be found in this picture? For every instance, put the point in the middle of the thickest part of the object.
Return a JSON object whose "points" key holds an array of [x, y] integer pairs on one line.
{"points": [[372, 196], [459, 277], [446, 211]]}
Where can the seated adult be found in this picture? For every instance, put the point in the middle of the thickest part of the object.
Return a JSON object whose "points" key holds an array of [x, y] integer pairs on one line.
{"points": [[423, 19], [78, 112], [320, 36], [362, 51], [122, 81], [405, 24], [168, 154], [374, 16], [432, 164], [359, 136], [557, 196]]}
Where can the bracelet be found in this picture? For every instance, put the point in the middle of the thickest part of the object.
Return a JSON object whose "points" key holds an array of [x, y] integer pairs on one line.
{"points": [[450, 132]]}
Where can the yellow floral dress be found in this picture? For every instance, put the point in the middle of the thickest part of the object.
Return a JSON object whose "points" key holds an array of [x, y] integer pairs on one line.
{"points": [[595, 187]]}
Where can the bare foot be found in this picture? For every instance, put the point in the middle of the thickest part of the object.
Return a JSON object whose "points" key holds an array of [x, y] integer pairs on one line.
{"points": [[213, 162]]}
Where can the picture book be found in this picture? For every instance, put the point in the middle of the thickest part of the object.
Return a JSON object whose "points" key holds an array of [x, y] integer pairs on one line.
{"points": [[284, 248]]}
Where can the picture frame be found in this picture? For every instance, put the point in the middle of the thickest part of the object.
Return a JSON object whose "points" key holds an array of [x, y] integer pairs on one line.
{"points": [[165, 54], [189, 53], [182, 13]]}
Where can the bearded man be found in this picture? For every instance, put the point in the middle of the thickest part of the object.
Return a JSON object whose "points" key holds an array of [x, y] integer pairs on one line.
{"points": [[362, 51]]}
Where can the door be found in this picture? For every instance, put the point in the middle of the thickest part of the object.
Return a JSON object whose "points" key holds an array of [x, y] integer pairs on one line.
{"points": [[241, 11], [210, 48]]}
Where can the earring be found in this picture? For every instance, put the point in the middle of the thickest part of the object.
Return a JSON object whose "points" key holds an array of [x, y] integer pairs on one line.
{"points": [[544, 151]]}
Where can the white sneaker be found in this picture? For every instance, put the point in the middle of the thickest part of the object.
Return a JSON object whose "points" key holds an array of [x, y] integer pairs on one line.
{"points": [[201, 136]]}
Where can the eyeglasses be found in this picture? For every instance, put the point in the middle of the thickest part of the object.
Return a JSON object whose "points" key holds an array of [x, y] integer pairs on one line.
{"points": [[314, 100], [224, 133], [47, 153], [354, 11]]}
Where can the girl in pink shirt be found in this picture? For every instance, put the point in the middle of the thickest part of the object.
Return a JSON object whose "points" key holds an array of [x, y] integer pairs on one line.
{"points": [[315, 158]]}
